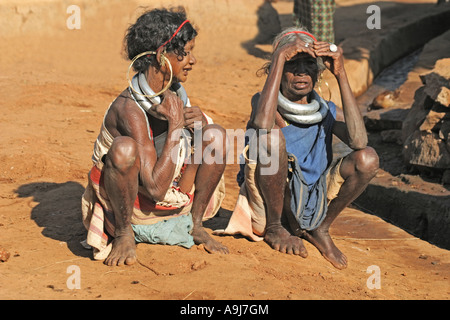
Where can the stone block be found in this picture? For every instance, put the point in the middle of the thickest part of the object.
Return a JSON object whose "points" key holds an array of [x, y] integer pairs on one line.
{"points": [[443, 97], [426, 149], [432, 121], [378, 120]]}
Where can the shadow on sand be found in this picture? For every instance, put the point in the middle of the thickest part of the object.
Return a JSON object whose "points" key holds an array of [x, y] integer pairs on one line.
{"points": [[58, 212]]}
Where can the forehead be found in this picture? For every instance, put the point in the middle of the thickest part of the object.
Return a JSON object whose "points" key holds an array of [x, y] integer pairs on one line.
{"points": [[190, 44]]}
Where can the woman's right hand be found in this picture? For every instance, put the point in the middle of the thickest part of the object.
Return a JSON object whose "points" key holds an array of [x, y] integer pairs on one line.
{"points": [[290, 50], [171, 108]]}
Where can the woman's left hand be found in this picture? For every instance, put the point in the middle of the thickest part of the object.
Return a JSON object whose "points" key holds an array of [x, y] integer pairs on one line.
{"points": [[334, 61], [193, 117]]}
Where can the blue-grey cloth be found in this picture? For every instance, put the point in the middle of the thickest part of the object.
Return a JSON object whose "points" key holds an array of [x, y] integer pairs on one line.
{"points": [[309, 148], [312, 145], [308, 202], [174, 231], [310, 152]]}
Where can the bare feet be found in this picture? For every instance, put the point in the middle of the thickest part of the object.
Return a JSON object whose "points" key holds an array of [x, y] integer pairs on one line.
{"points": [[123, 251], [280, 239], [322, 241], [211, 245]]}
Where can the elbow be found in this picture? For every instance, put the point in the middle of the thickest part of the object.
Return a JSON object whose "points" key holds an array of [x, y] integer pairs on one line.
{"points": [[156, 194], [358, 143], [262, 124], [158, 197]]}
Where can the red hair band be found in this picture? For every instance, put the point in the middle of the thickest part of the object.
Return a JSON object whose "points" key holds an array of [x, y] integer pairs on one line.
{"points": [[291, 32], [174, 34]]}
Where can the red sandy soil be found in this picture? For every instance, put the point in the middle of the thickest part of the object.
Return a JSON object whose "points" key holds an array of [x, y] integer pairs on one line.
{"points": [[55, 85]]}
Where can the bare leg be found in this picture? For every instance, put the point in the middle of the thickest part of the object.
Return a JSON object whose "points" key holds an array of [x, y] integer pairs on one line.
{"points": [[273, 186], [121, 183], [358, 168], [206, 176]]}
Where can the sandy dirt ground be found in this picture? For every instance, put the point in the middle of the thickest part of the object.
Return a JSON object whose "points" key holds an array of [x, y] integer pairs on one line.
{"points": [[55, 85]]}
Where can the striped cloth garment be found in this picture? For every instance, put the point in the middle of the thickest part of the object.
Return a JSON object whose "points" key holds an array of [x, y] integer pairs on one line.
{"points": [[316, 17]]}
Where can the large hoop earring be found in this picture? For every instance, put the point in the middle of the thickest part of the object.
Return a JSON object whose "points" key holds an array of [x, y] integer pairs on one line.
{"points": [[164, 60], [319, 87]]}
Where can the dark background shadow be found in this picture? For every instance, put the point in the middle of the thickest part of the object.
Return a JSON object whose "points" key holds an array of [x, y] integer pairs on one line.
{"points": [[350, 23], [269, 25], [219, 221], [58, 212]]}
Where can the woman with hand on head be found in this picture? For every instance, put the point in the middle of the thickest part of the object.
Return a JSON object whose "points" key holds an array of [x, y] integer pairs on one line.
{"points": [[292, 176]]}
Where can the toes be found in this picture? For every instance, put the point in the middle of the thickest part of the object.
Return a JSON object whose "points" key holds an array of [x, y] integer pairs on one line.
{"points": [[121, 261], [339, 262], [301, 251], [341, 266], [130, 260], [110, 261], [219, 249], [216, 247], [283, 248], [276, 246], [344, 260]]}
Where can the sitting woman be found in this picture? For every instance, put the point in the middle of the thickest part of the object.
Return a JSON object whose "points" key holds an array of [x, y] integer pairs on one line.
{"points": [[145, 184], [289, 174]]}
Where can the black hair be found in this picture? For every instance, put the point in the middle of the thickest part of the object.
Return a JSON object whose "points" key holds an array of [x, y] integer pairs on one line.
{"points": [[151, 30]]}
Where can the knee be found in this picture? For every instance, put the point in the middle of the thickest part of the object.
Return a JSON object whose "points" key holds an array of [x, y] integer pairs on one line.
{"points": [[367, 161], [123, 154], [214, 132], [215, 137]]}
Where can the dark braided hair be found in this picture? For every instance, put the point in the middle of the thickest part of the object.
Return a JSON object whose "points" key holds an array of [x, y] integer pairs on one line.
{"points": [[151, 30]]}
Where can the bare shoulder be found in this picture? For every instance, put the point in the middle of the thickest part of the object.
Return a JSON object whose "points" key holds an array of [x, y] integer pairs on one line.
{"points": [[124, 116], [124, 105]]}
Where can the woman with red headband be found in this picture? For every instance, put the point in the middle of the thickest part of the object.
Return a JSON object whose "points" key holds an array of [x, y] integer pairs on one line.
{"points": [[148, 183], [290, 139]]}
